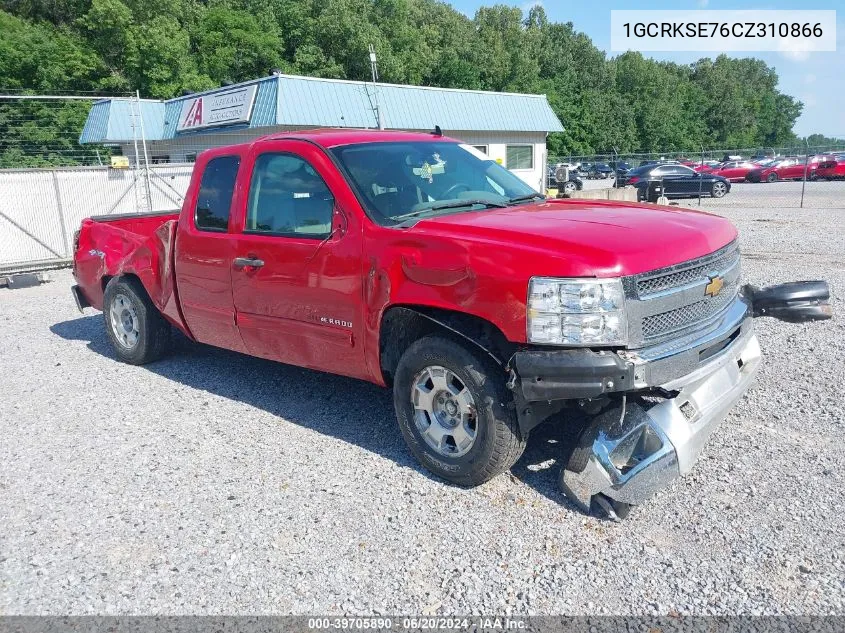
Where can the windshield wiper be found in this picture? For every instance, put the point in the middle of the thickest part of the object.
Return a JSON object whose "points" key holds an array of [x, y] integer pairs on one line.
{"points": [[454, 204], [525, 198]]}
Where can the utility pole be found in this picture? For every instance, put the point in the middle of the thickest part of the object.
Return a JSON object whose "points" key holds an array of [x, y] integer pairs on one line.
{"points": [[374, 71]]}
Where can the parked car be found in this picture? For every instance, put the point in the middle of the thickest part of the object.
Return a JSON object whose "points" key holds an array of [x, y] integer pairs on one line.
{"points": [[575, 182], [831, 169], [620, 166], [408, 261], [765, 162], [706, 166], [676, 181], [735, 171], [584, 170], [599, 171], [790, 168]]}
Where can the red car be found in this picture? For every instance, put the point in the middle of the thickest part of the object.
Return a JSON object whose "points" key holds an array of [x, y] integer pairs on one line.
{"points": [[706, 167], [415, 262], [735, 171], [831, 169], [792, 168]]}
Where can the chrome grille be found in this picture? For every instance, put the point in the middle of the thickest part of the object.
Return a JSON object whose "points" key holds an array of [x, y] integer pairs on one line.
{"points": [[671, 302], [689, 272], [657, 325]]}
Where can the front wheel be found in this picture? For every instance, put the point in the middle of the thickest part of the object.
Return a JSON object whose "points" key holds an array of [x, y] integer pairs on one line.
{"points": [[136, 329], [771, 177], [718, 190], [451, 405]]}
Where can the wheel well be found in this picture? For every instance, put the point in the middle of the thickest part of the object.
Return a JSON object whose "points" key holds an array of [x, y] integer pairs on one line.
{"points": [[107, 278], [402, 325]]}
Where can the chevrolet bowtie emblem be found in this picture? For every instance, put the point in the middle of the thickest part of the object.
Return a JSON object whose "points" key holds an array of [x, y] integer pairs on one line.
{"points": [[714, 287]]}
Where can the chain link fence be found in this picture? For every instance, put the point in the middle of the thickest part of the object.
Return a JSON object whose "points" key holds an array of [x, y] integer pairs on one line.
{"points": [[800, 176], [49, 181]]}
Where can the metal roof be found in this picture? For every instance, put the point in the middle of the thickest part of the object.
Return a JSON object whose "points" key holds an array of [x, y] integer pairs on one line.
{"points": [[113, 120], [293, 101]]}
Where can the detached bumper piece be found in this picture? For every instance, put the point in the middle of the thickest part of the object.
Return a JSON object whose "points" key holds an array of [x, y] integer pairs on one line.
{"points": [[794, 302], [630, 452]]}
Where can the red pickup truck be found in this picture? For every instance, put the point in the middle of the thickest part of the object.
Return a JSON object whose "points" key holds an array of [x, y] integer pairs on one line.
{"points": [[414, 261]]}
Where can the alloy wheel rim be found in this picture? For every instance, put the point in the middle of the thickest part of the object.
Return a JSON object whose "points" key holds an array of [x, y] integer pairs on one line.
{"points": [[444, 411], [124, 321]]}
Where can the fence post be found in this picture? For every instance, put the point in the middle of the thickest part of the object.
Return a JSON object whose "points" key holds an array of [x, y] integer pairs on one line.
{"points": [[806, 165], [144, 147], [61, 210], [615, 168]]}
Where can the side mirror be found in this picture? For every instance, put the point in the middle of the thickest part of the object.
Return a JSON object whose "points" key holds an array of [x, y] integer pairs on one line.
{"points": [[339, 223]]}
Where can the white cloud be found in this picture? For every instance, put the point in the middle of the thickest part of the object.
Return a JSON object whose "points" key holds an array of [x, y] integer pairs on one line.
{"points": [[796, 56]]}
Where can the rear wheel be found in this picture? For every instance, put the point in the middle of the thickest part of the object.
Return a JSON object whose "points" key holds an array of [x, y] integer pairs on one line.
{"points": [[451, 407], [570, 187], [771, 177], [719, 189], [136, 329]]}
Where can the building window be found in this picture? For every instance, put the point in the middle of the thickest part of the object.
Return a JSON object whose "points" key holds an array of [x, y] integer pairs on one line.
{"points": [[214, 199], [519, 156], [191, 158], [481, 148], [160, 160]]}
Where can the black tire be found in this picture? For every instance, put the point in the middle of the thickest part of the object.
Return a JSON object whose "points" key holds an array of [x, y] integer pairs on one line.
{"points": [[498, 442], [772, 177], [153, 331]]}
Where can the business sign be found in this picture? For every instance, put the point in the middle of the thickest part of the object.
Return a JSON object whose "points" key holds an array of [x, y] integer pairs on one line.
{"points": [[217, 109]]}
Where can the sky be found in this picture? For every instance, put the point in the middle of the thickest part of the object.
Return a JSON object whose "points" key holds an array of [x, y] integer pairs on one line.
{"points": [[817, 78]]}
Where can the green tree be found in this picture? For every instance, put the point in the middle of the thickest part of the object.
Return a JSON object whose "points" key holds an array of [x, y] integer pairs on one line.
{"points": [[163, 47], [231, 45]]}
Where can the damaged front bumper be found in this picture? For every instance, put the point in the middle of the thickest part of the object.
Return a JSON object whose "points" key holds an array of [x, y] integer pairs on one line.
{"points": [[673, 396], [632, 451]]}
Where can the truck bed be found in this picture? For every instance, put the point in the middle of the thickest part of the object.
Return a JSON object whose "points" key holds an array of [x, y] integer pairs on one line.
{"points": [[137, 222], [138, 244]]}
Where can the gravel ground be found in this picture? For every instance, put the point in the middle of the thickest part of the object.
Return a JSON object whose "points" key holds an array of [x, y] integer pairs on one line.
{"points": [[215, 483]]}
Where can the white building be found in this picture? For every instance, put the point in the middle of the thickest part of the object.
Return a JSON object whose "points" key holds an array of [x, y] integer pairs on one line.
{"points": [[510, 128]]}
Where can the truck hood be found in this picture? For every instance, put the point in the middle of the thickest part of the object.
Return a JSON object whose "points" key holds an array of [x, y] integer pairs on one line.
{"points": [[586, 238]]}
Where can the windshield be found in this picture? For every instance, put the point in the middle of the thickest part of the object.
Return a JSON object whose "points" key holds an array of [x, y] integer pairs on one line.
{"points": [[406, 181]]}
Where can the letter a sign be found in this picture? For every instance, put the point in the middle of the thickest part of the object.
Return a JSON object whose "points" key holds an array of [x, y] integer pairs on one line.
{"points": [[194, 116], [225, 107]]}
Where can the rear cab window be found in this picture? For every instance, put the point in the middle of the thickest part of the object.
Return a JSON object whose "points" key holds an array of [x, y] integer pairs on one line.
{"points": [[214, 200]]}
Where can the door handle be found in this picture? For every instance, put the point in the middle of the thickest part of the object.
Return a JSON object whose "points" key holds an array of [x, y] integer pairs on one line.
{"points": [[248, 262]]}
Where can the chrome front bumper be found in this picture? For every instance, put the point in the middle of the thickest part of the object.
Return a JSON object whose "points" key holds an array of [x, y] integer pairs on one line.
{"points": [[632, 451]]}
